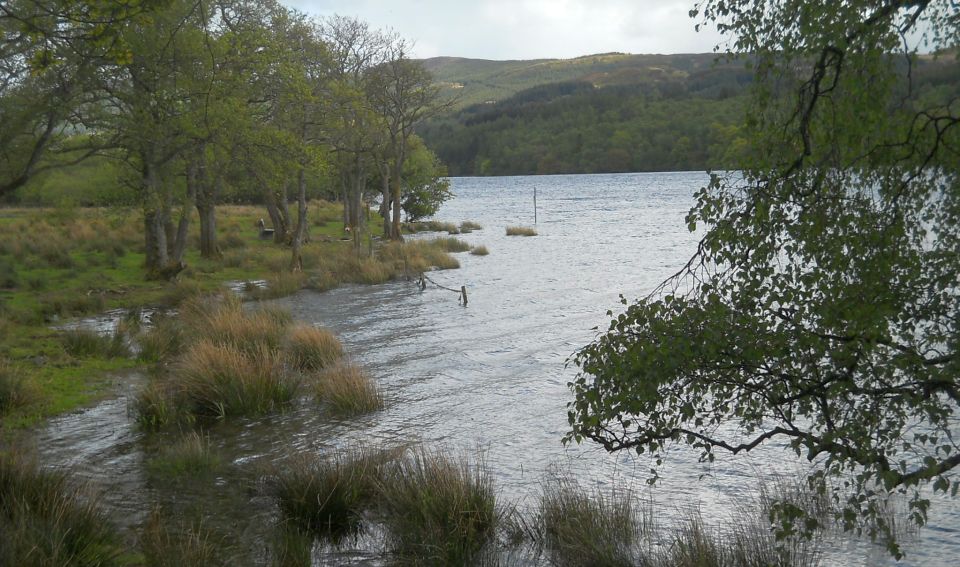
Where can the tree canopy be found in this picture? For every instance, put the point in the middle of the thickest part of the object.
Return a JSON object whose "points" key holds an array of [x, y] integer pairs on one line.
{"points": [[821, 306]]}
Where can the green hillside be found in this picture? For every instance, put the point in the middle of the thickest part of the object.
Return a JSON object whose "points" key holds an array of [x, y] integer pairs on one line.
{"points": [[610, 113]]}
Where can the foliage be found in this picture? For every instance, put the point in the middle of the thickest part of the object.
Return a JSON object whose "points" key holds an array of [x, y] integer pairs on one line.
{"points": [[820, 307], [425, 184]]}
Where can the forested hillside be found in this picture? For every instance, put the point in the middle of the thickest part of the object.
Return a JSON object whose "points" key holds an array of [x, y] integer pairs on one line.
{"points": [[606, 113]]}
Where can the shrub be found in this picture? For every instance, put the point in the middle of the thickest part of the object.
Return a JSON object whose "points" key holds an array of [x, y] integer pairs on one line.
{"points": [[89, 344], [217, 380], [521, 231], [348, 390], [581, 528], [438, 510], [310, 348], [480, 250], [47, 521]]}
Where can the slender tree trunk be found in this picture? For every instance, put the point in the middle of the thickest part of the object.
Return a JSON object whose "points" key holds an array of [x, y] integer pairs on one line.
{"points": [[180, 243], [296, 261], [395, 233], [208, 193], [281, 233], [155, 235], [385, 200]]}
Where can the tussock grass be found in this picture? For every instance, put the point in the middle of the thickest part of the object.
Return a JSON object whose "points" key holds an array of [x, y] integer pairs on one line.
{"points": [[449, 244], [469, 226], [218, 380], [348, 390], [153, 407], [183, 545], [164, 339], [15, 390], [311, 348], [191, 455], [479, 250], [588, 528], [281, 284], [326, 496], [91, 344], [430, 226], [439, 510], [230, 325], [46, 520], [521, 231]]}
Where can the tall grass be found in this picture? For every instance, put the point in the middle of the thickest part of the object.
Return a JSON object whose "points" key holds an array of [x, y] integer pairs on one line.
{"points": [[439, 510], [82, 343], [327, 495], [190, 455], [469, 226], [311, 348], [588, 528], [280, 284], [183, 545], [449, 244], [46, 520], [153, 407], [348, 390], [479, 250], [164, 339], [521, 231], [15, 390], [217, 380]]}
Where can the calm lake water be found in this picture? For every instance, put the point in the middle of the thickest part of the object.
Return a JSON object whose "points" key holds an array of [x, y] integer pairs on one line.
{"points": [[492, 376]]}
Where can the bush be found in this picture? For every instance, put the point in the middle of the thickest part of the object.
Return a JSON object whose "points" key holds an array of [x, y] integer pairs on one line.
{"points": [[438, 510], [348, 390], [311, 348]]}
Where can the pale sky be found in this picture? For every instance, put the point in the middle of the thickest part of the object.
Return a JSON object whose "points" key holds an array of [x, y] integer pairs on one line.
{"points": [[528, 29]]}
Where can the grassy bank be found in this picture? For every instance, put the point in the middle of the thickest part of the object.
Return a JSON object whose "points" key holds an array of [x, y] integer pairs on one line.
{"points": [[57, 264]]}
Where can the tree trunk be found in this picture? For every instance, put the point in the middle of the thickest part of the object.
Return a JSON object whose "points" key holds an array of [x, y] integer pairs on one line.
{"points": [[180, 242], [395, 233], [296, 261], [207, 197], [155, 235], [385, 197]]}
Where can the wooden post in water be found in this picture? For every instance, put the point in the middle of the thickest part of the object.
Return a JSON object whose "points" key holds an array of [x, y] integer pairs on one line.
{"points": [[463, 294], [534, 205]]}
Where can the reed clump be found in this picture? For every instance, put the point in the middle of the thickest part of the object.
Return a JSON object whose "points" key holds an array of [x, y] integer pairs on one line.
{"points": [[219, 380], [438, 510], [192, 455], [327, 495], [46, 520], [449, 244], [180, 545], [430, 226], [153, 407], [586, 528], [311, 348], [479, 250], [348, 390], [280, 284], [521, 231], [467, 227], [162, 340], [83, 343], [15, 390]]}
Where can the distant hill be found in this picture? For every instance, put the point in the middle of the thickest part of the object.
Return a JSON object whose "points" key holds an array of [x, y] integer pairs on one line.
{"points": [[610, 112], [483, 81]]}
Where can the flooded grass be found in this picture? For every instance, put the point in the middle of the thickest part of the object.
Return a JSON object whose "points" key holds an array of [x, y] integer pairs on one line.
{"points": [[153, 408], [280, 284], [479, 250], [430, 226], [191, 455], [15, 390], [327, 496], [164, 339], [584, 528], [439, 510], [310, 348], [450, 244], [469, 226], [89, 344], [181, 544], [521, 231], [348, 390], [47, 520]]}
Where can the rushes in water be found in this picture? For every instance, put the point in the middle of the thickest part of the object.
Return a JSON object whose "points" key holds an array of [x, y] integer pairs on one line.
{"points": [[581, 528], [281, 284], [153, 408], [326, 495], [185, 545], [469, 226], [311, 348], [521, 231], [449, 244], [88, 344], [45, 520], [164, 339], [191, 455], [348, 390], [439, 510], [479, 250], [220, 380]]}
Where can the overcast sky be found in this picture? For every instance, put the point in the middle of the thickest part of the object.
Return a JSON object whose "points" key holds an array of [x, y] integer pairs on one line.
{"points": [[528, 29]]}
